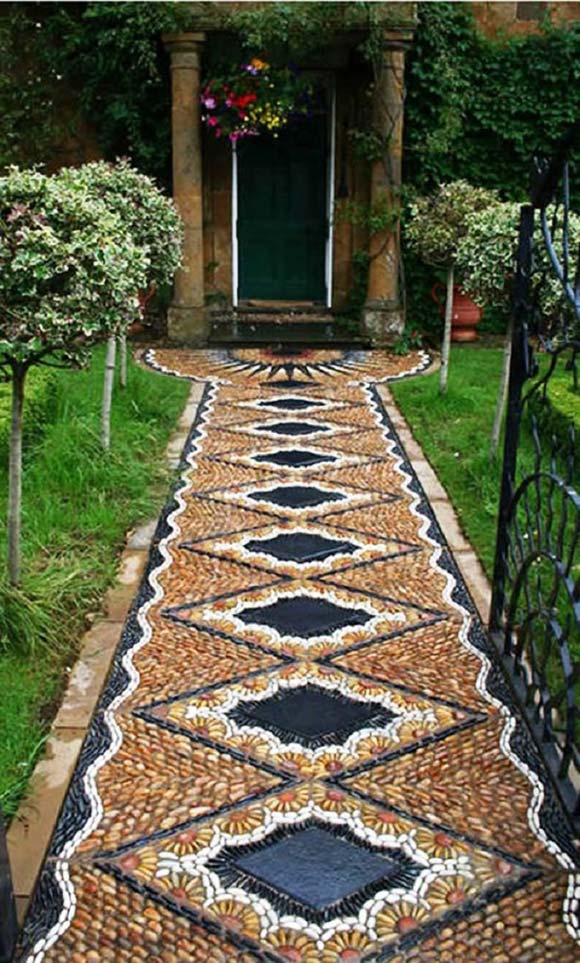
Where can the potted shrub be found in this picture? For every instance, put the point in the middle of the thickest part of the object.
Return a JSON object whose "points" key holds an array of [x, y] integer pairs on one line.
{"points": [[486, 261], [436, 227]]}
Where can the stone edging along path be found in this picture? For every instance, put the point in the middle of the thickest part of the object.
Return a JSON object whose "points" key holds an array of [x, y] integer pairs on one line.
{"points": [[404, 765]]}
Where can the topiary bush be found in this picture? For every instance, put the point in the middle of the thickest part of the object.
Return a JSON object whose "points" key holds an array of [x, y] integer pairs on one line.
{"points": [[151, 220], [147, 214], [69, 275], [486, 260], [436, 226]]}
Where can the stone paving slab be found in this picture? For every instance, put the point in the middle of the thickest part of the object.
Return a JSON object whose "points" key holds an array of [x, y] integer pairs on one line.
{"points": [[304, 751]]}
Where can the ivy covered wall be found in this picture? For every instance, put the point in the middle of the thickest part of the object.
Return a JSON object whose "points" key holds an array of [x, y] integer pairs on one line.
{"points": [[479, 108], [79, 78]]}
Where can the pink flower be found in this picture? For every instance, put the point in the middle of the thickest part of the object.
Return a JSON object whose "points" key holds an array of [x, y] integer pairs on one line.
{"points": [[212, 121], [209, 102]]}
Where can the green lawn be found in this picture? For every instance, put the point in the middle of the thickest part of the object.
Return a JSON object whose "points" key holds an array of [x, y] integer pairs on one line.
{"points": [[454, 431], [78, 504]]}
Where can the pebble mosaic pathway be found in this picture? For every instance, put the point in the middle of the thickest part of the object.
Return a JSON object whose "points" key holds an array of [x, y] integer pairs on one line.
{"points": [[304, 752]]}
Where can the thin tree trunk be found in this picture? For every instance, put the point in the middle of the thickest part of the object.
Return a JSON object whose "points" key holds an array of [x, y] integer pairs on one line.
{"points": [[502, 392], [444, 371], [123, 360], [108, 392], [15, 476]]}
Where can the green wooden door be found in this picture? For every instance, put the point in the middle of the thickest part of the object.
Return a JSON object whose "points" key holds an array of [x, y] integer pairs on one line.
{"points": [[282, 218]]}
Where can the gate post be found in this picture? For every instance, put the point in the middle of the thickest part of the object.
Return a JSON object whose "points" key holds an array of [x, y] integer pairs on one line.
{"points": [[8, 923], [519, 372]]}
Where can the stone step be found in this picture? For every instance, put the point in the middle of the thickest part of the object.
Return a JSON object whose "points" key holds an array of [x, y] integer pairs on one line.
{"points": [[313, 332]]}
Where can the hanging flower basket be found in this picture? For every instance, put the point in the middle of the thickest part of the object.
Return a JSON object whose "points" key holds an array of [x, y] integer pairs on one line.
{"points": [[255, 98]]}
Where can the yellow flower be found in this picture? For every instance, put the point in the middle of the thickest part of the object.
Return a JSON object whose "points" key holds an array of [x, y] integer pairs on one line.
{"points": [[374, 745], [346, 947], [296, 763], [183, 887], [237, 916], [294, 947], [241, 821], [439, 844], [384, 821], [398, 919], [250, 745], [290, 800], [190, 840], [207, 727], [333, 760], [449, 891], [141, 864], [332, 799]]}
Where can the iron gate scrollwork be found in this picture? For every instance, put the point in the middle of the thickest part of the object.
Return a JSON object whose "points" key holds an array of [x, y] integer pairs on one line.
{"points": [[535, 614]]}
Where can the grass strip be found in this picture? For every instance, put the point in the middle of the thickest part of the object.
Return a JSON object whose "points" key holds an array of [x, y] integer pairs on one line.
{"points": [[78, 504]]}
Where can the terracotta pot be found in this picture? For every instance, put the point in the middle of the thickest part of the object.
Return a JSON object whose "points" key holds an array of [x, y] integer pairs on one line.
{"points": [[466, 314]]}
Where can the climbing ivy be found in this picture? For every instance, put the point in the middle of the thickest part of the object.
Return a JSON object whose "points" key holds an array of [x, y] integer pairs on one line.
{"points": [[479, 109], [104, 62]]}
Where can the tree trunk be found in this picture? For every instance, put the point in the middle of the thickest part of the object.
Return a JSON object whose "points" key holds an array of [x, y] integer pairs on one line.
{"points": [[123, 361], [108, 392], [15, 476], [502, 392], [444, 371]]}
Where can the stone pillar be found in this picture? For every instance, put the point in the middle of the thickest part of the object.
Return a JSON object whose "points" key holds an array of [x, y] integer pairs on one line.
{"points": [[186, 318], [383, 314]]}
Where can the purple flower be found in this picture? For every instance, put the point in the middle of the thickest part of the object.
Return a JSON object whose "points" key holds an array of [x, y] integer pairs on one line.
{"points": [[209, 102]]}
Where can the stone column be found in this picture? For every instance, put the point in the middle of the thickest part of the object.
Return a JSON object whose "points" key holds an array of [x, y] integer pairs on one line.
{"points": [[383, 314], [186, 318]]}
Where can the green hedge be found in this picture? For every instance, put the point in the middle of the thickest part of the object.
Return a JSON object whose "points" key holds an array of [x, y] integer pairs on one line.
{"points": [[561, 413], [39, 408]]}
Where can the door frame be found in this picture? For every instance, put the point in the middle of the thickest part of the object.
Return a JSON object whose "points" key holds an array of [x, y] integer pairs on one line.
{"points": [[330, 175]]}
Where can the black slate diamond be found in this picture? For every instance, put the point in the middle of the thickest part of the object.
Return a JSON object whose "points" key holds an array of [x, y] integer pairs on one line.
{"points": [[315, 871], [311, 715], [300, 547], [292, 428], [291, 404], [296, 496], [303, 616], [293, 458]]}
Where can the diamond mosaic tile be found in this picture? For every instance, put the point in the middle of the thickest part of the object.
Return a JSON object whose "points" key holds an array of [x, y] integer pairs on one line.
{"points": [[299, 550], [289, 871], [389, 873], [303, 459], [306, 499], [309, 719], [303, 616], [310, 715], [296, 619]]}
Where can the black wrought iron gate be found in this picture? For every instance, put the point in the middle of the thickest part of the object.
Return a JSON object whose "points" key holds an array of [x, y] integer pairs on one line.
{"points": [[535, 617]]}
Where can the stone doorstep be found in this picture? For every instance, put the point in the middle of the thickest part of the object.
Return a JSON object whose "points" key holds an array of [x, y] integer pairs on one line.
{"points": [[467, 561], [31, 829]]}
